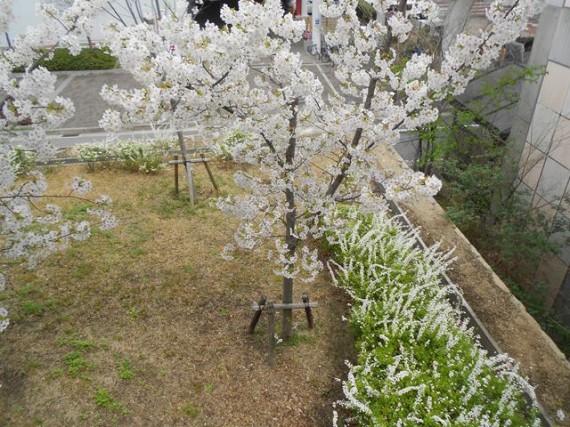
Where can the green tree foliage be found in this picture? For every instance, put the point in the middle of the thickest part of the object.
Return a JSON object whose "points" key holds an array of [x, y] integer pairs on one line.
{"points": [[470, 155]]}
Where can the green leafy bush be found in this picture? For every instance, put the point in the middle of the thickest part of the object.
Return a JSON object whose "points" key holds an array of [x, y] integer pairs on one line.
{"points": [[418, 363], [22, 160], [96, 155], [87, 59], [137, 156], [142, 157], [499, 219]]}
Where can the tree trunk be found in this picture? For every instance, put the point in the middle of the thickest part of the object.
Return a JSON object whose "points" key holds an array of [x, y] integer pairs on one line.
{"points": [[287, 320], [290, 222], [8, 40], [291, 240], [347, 160], [337, 180]]}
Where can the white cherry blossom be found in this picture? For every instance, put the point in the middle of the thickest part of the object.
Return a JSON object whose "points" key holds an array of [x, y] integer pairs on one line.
{"points": [[29, 233], [245, 77]]}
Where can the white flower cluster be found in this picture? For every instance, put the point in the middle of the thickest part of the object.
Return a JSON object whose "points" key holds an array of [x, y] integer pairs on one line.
{"points": [[216, 81], [32, 234], [409, 183], [6, 14], [400, 26], [80, 186], [418, 363]]}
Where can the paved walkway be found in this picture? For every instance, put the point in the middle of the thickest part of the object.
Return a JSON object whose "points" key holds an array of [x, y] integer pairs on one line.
{"points": [[84, 87]]}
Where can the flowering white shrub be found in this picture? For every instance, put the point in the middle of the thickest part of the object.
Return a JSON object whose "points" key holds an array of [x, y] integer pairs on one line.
{"points": [[418, 363], [140, 156], [95, 154], [146, 155]]}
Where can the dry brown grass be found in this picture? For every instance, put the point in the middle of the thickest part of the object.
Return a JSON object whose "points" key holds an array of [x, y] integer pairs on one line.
{"points": [[146, 325]]}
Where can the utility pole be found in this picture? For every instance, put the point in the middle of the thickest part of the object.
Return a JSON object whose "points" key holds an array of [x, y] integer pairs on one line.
{"points": [[316, 25], [8, 40]]}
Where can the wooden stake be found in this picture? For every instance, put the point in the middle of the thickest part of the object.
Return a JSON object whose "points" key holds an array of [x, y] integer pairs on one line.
{"points": [[188, 166], [210, 173], [308, 310], [292, 306], [176, 187], [271, 327], [257, 314]]}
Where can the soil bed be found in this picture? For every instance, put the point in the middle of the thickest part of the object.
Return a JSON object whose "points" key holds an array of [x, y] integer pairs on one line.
{"points": [[147, 326]]}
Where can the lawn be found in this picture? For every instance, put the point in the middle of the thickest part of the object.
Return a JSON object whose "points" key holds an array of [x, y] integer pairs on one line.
{"points": [[146, 325]]}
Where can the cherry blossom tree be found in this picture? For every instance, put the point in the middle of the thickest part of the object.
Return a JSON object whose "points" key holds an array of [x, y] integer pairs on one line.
{"points": [[312, 149], [30, 226]]}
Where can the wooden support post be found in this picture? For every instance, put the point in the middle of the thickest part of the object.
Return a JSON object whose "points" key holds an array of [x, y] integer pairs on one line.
{"points": [[176, 187], [188, 161], [271, 332], [191, 186], [271, 309], [292, 306], [188, 166], [210, 173], [257, 314], [308, 310]]}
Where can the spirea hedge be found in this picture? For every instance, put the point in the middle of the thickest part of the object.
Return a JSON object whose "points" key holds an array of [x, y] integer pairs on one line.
{"points": [[418, 363], [146, 156]]}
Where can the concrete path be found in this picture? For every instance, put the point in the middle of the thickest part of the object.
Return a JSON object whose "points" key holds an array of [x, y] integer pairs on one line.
{"points": [[84, 87]]}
